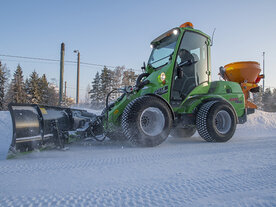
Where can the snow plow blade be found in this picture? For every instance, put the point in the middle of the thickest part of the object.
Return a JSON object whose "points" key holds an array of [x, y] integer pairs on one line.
{"points": [[34, 124]]}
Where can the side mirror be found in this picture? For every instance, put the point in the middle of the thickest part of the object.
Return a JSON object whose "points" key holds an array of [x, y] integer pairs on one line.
{"points": [[144, 66], [180, 73]]}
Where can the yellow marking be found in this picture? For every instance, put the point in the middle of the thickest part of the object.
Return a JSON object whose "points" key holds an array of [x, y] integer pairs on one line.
{"points": [[26, 124], [116, 111], [28, 140], [43, 110]]}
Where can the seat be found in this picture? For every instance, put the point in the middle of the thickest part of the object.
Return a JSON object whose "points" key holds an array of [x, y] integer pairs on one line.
{"points": [[183, 86]]}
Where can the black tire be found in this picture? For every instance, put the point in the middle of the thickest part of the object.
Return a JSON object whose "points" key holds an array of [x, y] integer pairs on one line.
{"points": [[183, 132], [216, 121], [138, 121]]}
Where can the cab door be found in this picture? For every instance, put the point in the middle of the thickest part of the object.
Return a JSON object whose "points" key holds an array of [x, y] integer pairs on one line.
{"points": [[191, 66]]}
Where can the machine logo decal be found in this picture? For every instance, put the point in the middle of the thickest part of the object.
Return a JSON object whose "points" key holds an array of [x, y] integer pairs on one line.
{"points": [[161, 91], [236, 100]]}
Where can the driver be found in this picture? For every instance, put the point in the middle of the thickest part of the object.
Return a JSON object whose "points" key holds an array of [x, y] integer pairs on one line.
{"points": [[185, 55]]}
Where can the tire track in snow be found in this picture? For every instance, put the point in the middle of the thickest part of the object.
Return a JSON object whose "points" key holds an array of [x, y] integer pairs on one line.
{"points": [[29, 167], [174, 191], [250, 184]]}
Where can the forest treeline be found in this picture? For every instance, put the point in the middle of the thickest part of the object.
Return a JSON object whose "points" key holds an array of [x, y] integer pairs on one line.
{"points": [[265, 100], [107, 80], [37, 89], [32, 90]]}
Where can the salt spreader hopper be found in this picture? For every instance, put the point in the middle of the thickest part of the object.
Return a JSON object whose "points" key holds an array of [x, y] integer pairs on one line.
{"points": [[247, 74]]}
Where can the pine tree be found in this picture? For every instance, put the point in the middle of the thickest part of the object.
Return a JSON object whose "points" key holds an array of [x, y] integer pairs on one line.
{"points": [[44, 90], [17, 91], [106, 82], [273, 104], [3, 79], [95, 92], [33, 90], [267, 100]]}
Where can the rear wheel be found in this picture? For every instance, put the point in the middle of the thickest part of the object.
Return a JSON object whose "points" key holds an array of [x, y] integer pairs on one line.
{"points": [[183, 132], [216, 121], [146, 121]]}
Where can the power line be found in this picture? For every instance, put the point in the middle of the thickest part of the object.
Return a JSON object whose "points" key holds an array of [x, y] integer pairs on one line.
{"points": [[33, 61], [86, 67], [30, 58], [55, 60], [28, 61]]}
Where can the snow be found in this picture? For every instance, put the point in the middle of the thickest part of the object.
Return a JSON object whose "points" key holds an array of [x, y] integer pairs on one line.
{"points": [[97, 112], [5, 133], [179, 172], [259, 124]]}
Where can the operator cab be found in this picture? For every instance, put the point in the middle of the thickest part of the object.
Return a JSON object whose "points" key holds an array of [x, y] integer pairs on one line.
{"points": [[184, 51], [191, 66]]}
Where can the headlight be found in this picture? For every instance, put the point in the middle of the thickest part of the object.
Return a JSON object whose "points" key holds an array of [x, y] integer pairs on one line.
{"points": [[175, 31], [162, 76]]}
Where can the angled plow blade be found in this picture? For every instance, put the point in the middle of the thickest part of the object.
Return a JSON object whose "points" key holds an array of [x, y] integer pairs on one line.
{"points": [[27, 125]]}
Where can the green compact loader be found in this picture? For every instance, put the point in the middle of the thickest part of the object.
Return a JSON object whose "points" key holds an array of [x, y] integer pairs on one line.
{"points": [[173, 96]]}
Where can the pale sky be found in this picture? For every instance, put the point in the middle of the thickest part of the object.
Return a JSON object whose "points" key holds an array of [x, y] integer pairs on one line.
{"points": [[119, 33]]}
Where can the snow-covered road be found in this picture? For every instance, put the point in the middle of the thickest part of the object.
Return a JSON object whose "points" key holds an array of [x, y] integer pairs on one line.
{"points": [[179, 172]]}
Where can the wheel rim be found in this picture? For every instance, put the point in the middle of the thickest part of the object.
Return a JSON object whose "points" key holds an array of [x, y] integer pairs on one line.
{"points": [[152, 121], [223, 122]]}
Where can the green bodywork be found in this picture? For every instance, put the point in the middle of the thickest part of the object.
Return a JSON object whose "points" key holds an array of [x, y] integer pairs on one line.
{"points": [[225, 90]]}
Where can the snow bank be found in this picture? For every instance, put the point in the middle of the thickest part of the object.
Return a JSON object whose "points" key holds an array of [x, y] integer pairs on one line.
{"points": [[5, 133], [258, 124]]}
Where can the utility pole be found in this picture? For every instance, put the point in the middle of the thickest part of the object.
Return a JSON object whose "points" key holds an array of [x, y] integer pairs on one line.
{"points": [[264, 71], [61, 72], [65, 90], [65, 87], [78, 77]]}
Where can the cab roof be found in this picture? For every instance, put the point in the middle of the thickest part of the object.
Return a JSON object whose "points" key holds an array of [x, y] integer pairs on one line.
{"points": [[186, 26]]}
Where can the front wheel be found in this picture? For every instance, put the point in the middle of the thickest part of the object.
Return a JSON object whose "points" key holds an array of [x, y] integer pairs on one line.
{"points": [[216, 121], [146, 121]]}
